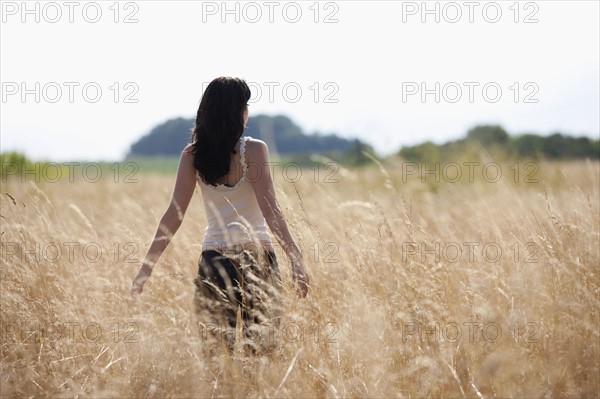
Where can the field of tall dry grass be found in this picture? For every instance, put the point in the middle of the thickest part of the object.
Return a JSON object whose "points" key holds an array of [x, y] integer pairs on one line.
{"points": [[478, 288]]}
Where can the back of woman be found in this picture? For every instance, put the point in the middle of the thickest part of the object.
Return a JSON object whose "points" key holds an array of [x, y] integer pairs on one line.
{"points": [[238, 274]]}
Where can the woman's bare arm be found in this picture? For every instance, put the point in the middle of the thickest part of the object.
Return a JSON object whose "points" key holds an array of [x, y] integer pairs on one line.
{"points": [[257, 154], [171, 219]]}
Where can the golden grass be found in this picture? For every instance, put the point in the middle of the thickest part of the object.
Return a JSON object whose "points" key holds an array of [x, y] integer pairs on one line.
{"points": [[381, 320]]}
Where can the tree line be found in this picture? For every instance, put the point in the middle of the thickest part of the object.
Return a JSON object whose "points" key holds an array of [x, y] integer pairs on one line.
{"points": [[158, 150], [496, 141]]}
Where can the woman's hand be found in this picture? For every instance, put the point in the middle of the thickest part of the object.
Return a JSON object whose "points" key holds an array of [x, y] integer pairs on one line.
{"points": [[138, 282], [299, 278], [257, 153]]}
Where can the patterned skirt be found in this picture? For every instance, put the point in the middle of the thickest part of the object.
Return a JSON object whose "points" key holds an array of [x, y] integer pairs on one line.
{"points": [[237, 283]]}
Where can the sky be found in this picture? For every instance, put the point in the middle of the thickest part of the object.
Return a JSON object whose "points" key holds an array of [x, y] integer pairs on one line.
{"points": [[83, 80]]}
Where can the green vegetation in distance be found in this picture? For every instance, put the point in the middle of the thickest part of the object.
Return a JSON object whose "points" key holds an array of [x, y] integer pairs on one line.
{"points": [[492, 139], [16, 165], [284, 137], [501, 146]]}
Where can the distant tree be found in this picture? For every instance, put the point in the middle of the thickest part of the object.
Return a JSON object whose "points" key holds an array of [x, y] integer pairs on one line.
{"points": [[286, 137], [488, 135], [583, 147], [16, 164], [425, 152], [496, 141], [280, 132], [168, 138], [355, 154], [556, 146], [527, 146], [12, 163]]}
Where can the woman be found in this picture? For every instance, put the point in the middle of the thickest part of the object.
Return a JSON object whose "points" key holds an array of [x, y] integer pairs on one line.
{"points": [[237, 274]]}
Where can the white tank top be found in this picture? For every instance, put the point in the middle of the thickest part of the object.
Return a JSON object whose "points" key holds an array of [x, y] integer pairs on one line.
{"points": [[232, 212]]}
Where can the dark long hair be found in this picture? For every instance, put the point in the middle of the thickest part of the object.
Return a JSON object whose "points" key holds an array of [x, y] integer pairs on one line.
{"points": [[219, 125]]}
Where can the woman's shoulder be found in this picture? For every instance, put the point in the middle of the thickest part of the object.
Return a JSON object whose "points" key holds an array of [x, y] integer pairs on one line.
{"points": [[189, 149], [256, 150], [255, 145]]}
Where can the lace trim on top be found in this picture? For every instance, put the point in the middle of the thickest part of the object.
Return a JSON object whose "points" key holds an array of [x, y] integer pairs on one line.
{"points": [[244, 167], [243, 158]]}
